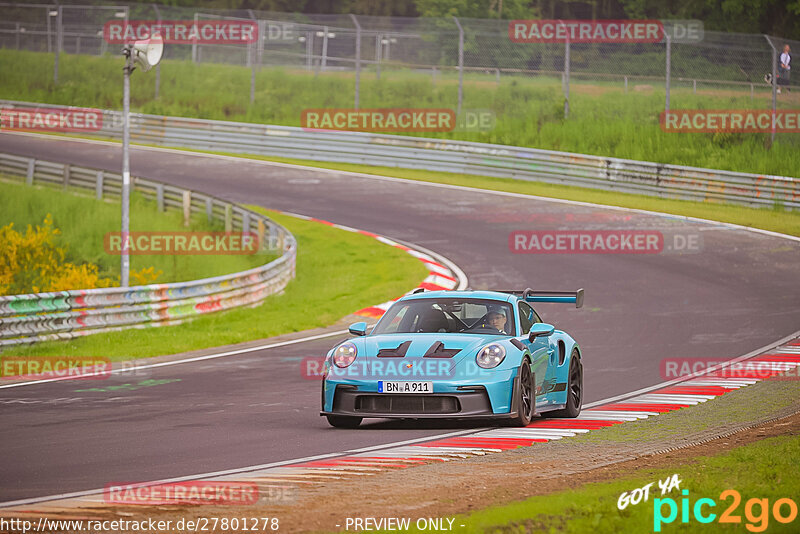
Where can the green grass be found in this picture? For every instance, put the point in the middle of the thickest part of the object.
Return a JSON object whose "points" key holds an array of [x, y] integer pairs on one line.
{"points": [[83, 236], [338, 273], [766, 469], [603, 119], [763, 400]]}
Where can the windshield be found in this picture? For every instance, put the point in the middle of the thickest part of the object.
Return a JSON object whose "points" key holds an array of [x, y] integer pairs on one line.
{"points": [[448, 315]]}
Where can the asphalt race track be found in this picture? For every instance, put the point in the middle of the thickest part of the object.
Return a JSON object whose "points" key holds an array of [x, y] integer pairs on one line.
{"points": [[736, 292]]}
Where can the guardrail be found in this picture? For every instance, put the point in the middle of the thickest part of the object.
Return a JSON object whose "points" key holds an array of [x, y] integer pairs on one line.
{"points": [[612, 174], [68, 314]]}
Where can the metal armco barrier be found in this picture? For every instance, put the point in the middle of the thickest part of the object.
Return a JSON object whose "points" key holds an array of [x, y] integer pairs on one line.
{"points": [[502, 161], [68, 314]]}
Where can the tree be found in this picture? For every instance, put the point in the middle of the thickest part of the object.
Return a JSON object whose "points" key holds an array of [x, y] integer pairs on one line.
{"points": [[477, 9]]}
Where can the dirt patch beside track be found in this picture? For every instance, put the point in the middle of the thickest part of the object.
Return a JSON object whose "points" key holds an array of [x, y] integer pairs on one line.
{"points": [[442, 489], [457, 487]]}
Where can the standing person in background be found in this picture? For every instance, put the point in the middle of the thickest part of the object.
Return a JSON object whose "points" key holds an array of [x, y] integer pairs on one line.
{"points": [[784, 70]]}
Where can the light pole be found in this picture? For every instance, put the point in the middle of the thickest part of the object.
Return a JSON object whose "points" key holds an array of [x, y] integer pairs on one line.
{"points": [[146, 54]]}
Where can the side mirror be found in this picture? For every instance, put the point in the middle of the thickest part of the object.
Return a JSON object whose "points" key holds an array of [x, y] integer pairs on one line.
{"points": [[358, 329], [540, 329]]}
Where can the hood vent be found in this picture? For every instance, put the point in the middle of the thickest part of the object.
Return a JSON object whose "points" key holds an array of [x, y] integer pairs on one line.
{"points": [[397, 352], [437, 350]]}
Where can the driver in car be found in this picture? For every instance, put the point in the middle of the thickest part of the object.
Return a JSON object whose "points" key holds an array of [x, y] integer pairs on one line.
{"points": [[497, 319]]}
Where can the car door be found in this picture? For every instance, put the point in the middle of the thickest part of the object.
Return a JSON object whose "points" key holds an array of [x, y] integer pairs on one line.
{"points": [[541, 350]]}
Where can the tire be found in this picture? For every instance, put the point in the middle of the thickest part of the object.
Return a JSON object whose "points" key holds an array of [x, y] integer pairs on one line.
{"points": [[524, 396], [574, 390], [343, 421]]}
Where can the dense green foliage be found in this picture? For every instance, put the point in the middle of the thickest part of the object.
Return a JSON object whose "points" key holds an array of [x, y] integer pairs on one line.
{"points": [[779, 17]]}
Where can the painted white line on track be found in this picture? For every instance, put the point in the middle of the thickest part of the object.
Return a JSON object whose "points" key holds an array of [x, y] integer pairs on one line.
{"points": [[248, 469], [415, 249], [187, 360], [433, 450], [698, 375]]}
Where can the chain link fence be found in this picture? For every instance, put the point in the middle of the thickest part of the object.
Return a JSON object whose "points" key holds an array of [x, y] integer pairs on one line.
{"points": [[466, 52]]}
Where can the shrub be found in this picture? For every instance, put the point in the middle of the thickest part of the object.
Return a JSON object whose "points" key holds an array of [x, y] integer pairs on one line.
{"points": [[32, 262]]}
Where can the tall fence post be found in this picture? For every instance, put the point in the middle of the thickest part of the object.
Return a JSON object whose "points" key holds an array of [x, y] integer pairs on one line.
{"points": [[460, 65], [158, 67], [194, 41], [260, 42], [251, 59], [59, 33], [49, 29], [358, 59], [17, 37], [668, 69], [309, 50], [774, 84], [324, 61], [378, 55], [567, 61], [253, 83]]}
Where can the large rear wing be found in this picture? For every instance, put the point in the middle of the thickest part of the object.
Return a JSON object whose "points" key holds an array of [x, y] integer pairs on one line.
{"points": [[530, 295]]}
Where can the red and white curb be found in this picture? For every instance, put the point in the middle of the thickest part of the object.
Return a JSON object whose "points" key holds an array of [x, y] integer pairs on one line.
{"points": [[689, 392], [327, 468], [442, 273]]}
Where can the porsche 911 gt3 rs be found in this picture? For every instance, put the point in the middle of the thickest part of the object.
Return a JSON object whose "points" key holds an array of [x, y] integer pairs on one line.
{"points": [[456, 354]]}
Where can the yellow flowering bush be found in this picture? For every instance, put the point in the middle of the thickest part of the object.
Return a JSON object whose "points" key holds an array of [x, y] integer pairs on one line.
{"points": [[145, 276], [32, 262]]}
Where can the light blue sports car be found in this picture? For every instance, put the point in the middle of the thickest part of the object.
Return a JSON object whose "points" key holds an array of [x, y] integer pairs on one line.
{"points": [[456, 354]]}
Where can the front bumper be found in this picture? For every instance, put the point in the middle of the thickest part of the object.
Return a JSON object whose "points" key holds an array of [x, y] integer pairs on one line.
{"points": [[450, 399]]}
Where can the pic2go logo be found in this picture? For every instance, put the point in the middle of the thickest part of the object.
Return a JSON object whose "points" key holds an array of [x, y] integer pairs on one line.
{"points": [[756, 511]]}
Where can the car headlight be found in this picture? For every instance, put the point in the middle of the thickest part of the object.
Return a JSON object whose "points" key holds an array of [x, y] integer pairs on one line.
{"points": [[345, 354], [490, 356]]}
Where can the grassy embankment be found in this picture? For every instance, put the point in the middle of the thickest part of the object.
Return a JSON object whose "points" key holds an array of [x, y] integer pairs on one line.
{"points": [[763, 470], [338, 272], [83, 235], [603, 119]]}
